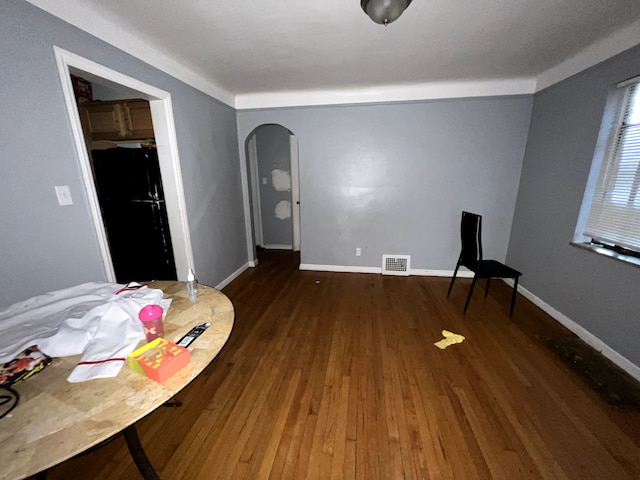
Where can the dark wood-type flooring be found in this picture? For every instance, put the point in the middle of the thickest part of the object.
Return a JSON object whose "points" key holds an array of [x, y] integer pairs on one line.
{"points": [[335, 375]]}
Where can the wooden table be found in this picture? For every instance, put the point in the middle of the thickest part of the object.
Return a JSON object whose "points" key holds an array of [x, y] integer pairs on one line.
{"points": [[56, 420]]}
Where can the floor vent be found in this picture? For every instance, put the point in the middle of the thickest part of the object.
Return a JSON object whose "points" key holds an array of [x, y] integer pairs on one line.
{"points": [[396, 264]]}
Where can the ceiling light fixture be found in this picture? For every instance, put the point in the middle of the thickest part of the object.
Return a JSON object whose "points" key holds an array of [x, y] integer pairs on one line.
{"points": [[384, 11]]}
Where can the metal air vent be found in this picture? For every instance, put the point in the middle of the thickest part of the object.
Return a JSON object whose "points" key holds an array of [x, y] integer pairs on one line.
{"points": [[396, 264]]}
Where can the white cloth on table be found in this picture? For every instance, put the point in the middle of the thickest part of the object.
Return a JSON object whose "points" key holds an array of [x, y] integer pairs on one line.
{"points": [[90, 318]]}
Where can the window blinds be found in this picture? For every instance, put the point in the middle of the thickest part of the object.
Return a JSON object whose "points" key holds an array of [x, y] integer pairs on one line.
{"points": [[614, 216]]}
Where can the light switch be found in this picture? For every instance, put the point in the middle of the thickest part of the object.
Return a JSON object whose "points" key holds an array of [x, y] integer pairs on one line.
{"points": [[64, 195], [264, 180]]}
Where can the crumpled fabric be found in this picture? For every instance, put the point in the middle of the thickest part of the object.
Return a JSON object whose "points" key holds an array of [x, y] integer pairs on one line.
{"points": [[449, 339], [91, 319]]}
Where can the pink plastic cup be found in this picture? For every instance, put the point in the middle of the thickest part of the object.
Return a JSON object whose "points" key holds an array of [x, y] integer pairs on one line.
{"points": [[151, 318]]}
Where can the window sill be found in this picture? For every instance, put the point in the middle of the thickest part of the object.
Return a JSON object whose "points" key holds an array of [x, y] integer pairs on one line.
{"points": [[608, 253]]}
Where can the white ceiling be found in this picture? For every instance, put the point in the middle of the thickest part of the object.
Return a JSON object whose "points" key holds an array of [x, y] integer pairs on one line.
{"points": [[252, 53]]}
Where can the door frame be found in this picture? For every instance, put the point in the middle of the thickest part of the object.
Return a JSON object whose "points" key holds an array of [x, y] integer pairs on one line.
{"points": [[254, 186], [252, 151], [295, 190], [167, 147]]}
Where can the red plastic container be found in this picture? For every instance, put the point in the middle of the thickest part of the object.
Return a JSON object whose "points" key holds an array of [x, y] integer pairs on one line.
{"points": [[151, 318]]}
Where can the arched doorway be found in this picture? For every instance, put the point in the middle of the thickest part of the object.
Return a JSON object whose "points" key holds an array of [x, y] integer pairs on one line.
{"points": [[272, 153]]}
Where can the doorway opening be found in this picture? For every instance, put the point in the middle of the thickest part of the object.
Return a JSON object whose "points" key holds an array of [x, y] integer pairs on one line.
{"points": [[163, 159], [272, 152], [132, 202]]}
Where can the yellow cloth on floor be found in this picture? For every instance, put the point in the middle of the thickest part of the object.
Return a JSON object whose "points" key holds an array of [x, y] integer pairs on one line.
{"points": [[449, 339]]}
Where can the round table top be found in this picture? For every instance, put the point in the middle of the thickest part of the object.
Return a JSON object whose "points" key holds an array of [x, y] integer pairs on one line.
{"points": [[56, 420]]}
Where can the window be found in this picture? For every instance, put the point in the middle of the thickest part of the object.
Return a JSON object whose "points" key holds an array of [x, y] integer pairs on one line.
{"points": [[613, 219]]}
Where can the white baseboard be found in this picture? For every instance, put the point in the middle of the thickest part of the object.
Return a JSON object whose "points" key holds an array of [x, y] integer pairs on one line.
{"points": [[440, 273], [234, 275], [253, 263], [588, 337], [339, 268], [358, 269]]}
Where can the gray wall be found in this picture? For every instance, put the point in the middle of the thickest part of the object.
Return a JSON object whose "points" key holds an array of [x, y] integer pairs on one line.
{"points": [[393, 178], [272, 145], [600, 294], [44, 246]]}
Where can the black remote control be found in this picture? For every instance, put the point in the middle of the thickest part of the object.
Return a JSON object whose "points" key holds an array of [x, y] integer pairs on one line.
{"points": [[194, 333]]}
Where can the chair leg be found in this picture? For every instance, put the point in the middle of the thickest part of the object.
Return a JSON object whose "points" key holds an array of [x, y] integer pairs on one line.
{"points": [[513, 295], [486, 288], [453, 279], [473, 284]]}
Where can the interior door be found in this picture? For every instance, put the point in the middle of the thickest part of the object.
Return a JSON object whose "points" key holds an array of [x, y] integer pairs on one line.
{"points": [[133, 209]]}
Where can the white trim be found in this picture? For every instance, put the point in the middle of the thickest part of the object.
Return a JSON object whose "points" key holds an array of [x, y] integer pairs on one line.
{"points": [[166, 140], [90, 20], [245, 184], [171, 172], [358, 269], [294, 155], [339, 268], [252, 151], [278, 247], [63, 61], [388, 93], [233, 276], [440, 273], [589, 338], [629, 81], [253, 263], [597, 52]]}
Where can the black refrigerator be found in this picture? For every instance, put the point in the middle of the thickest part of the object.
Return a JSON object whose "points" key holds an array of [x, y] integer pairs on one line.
{"points": [[134, 213]]}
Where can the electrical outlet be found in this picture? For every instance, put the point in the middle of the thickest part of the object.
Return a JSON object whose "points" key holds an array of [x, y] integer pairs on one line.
{"points": [[358, 251]]}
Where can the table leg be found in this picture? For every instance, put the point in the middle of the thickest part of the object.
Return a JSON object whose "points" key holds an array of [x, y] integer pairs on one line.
{"points": [[138, 455]]}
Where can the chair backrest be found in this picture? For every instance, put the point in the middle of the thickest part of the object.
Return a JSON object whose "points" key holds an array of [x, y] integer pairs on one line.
{"points": [[470, 234]]}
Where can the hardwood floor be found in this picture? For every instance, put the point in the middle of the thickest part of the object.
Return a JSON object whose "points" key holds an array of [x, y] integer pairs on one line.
{"points": [[335, 376]]}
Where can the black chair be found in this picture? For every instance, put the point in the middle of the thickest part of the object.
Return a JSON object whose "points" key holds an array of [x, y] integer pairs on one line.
{"points": [[471, 257]]}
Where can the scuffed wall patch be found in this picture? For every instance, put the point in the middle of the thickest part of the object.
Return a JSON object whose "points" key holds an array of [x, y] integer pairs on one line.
{"points": [[281, 180], [283, 210]]}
